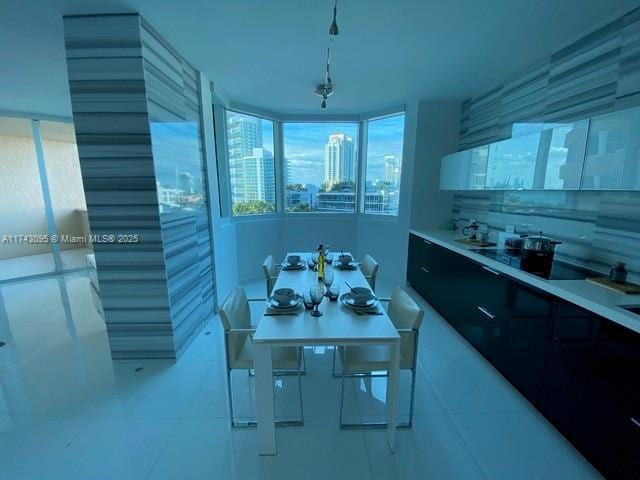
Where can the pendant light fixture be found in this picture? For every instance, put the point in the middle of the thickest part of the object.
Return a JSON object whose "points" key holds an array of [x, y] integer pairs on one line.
{"points": [[325, 89]]}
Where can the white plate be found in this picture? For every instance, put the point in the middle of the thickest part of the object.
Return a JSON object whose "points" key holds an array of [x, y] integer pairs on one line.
{"points": [[293, 304], [299, 266], [347, 300], [350, 266]]}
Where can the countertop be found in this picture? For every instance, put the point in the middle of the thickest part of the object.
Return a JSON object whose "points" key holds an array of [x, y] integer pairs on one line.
{"points": [[599, 300]]}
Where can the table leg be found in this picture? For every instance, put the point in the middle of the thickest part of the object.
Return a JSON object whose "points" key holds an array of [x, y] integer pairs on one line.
{"points": [[392, 394], [265, 414]]}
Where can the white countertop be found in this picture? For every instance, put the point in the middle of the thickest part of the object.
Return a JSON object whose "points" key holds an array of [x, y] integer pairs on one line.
{"points": [[599, 300]]}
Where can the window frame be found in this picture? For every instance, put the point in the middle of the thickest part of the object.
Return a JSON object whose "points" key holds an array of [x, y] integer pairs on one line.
{"points": [[228, 207], [323, 119], [279, 120], [381, 115]]}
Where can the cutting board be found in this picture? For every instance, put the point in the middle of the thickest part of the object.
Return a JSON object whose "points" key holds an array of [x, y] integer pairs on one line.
{"points": [[626, 288], [475, 243]]}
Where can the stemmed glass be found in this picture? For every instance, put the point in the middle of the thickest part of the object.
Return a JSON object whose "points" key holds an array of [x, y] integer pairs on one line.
{"points": [[327, 279], [317, 294]]}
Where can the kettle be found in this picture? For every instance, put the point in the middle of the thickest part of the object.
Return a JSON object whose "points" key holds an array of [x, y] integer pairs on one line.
{"points": [[471, 230]]}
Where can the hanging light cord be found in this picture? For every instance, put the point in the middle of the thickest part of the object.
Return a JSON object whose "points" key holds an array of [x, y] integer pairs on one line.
{"points": [[327, 88]]}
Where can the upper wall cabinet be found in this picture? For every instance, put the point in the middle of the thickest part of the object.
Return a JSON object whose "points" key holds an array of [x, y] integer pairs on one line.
{"points": [[613, 152], [561, 156], [511, 164], [464, 170]]}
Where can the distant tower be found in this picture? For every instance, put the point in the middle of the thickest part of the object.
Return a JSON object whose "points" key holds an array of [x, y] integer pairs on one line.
{"points": [[391, 170], [338, 159]]}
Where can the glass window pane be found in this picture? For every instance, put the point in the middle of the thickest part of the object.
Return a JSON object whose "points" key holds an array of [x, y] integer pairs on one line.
{"points": [[67, 192], [252, 178], [22, 210], [320, 166], [384, 165]]}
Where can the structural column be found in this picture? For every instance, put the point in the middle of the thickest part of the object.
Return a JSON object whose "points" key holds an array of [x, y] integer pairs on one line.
{"points": [[136, 113]]}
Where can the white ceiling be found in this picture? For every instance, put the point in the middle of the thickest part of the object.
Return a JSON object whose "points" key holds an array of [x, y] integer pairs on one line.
{"points": [[270, 53]]}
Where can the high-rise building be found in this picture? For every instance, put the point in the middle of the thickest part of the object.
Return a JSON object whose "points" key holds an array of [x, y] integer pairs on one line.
{"points": [[244, 133], [391, 170], [251, 166], [252, 177], [338, 159]]}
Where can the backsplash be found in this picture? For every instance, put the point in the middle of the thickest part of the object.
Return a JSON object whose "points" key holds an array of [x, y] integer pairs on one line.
{"points": [[597, 228]]}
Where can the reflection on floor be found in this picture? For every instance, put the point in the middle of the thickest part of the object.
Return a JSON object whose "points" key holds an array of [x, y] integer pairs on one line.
{"points": [[68, 412], [42, 263]]}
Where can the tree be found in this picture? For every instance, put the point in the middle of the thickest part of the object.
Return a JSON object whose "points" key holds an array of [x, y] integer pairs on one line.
{"points": [[301, 207], [253, 206], [296, 187]]}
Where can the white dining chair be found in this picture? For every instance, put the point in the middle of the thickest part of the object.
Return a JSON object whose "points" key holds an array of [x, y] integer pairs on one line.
{"points": [[363, 361], [271, 272], [235, 315], [369, 269]]}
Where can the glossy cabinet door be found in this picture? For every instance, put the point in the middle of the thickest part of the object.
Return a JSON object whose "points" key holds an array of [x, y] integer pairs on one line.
{"points": [[428, 272], [561, 156], [511, 164], [464, 170], [613, 152], [590, 389]]}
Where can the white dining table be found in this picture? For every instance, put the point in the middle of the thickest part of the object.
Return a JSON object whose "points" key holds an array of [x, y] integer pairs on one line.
{"points": [[337, 326]]}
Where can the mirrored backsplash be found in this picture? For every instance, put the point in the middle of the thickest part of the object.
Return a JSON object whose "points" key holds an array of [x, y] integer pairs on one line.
{"points": [[597, 229]]}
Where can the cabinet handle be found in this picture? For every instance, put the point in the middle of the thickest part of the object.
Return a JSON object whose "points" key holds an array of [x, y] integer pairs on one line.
{"points": [[486, 312], [491, 270], [425, 270], [426, 241], [635, 422]]}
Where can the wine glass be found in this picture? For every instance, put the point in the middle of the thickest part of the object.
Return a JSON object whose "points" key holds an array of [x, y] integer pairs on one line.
{"points": [[314, 258], [327, 279], [317, 294]]}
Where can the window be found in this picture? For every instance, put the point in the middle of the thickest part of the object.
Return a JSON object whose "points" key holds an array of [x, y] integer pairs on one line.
{"points": [[320, 166], [252, 178], [384, 165]]}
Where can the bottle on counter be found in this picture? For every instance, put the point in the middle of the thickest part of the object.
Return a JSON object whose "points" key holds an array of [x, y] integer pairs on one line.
{"points": [[618, 273]]}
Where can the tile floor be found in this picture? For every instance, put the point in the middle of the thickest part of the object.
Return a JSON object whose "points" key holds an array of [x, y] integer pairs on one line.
{"points": [[68, 412]]}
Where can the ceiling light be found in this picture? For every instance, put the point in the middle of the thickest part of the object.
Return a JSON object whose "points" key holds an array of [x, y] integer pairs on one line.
{"points": [[333, 29], [325, 89]]}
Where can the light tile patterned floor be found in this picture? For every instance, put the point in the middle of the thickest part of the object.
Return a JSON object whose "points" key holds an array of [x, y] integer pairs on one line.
{"points": [[68, 412]]}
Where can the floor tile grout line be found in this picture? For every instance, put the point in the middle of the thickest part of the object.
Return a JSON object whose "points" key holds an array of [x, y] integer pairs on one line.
{"points": [[164, 447]]}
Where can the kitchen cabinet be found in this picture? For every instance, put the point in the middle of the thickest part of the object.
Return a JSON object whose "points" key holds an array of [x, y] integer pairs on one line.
{"points": [[613, 152], [511, 163], [464, 170], [428, 273], [578, 369], [560, 157]]}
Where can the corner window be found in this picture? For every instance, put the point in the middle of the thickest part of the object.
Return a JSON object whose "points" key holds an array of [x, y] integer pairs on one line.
{"points": [[385, 137], [252, 178], [320, 164]]}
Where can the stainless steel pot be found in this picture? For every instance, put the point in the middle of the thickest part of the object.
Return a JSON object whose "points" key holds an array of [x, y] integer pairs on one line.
{"points": [[538, 243]]}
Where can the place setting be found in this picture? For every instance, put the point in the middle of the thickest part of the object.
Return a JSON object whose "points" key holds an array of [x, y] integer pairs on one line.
{"points": [[294, 262], [361, 300], [345, 262], [284, 301]]}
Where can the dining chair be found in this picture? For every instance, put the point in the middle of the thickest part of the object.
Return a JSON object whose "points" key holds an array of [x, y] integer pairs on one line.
{"points": [[363, 361], [369, 269], [271, 272], [235, 315]]}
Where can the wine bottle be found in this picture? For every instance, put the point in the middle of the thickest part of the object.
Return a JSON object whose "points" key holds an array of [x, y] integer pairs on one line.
{"points": [[320, 263]]}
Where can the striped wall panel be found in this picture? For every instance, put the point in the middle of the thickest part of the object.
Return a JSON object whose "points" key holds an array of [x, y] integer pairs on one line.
{"points": [[596, 74], [130, 93], [597, 228]]}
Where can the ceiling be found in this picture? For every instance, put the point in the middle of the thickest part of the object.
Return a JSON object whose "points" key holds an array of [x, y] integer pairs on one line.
{"points": [[271, 54]]}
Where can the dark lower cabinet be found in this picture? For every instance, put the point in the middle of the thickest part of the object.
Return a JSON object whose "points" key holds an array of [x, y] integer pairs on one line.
{"points": [[579, 369]]}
